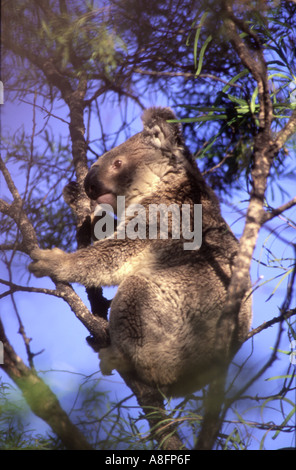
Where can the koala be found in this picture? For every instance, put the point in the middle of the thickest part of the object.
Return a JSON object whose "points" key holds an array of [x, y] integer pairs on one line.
{"points": [[164, 317]]}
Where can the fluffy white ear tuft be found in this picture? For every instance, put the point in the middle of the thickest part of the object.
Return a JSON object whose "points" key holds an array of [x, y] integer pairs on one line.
{"points": [[158, 131]]}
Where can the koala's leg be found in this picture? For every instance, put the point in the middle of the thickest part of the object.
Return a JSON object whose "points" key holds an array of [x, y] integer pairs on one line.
{"points": [[125, 327], [143, 336]]}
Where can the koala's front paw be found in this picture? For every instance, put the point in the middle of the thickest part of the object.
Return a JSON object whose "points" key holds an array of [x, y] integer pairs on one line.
{"points": [[71, 194], [46, 262]]}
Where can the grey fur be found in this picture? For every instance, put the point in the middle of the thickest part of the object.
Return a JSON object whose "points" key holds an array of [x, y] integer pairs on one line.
{"points": [[163, 319]]}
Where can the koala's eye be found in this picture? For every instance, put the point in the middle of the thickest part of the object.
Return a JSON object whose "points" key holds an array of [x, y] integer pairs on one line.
{"points": [[117, 164]]}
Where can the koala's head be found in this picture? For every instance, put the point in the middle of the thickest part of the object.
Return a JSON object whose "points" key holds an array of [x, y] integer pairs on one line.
{"points": [[136, 165]]}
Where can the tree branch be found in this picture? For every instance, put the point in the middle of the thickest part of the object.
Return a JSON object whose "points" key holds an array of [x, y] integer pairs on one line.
{"points": [[152, 403], [16, 288], [96, 326], [284, 134], [15, 211], [40, 398], [274, 212], [75, 101], [263, 154], [162, 73], [253, 60], [273, 321]]}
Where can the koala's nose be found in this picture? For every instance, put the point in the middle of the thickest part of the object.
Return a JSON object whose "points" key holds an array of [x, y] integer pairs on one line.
{"points": [[91, 183]]}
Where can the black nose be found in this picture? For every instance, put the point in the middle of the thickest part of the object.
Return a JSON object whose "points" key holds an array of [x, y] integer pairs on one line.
{"points": [[92, 185]]}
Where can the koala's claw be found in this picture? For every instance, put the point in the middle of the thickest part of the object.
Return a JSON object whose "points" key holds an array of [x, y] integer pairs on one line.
{"points": [[71, 193], [45, 262]]}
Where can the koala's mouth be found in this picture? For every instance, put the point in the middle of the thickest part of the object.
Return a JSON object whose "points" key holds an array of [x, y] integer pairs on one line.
{"points": [[107, 198]]}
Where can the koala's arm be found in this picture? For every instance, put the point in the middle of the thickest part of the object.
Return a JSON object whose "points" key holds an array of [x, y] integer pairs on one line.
{"points": [[103, 264]]}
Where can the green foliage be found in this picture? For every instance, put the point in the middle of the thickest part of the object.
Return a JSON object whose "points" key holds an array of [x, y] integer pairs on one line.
{"points": [[214, 94], [78, 41], [235, 113], [83, 41], [15, 434], [45, 167]]}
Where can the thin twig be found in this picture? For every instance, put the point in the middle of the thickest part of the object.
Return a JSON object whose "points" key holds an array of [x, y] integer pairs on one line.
{"points": [[271, 322], [275, 212], [189, 75]]}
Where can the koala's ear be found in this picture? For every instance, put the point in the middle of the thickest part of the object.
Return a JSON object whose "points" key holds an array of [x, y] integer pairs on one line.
{"points": [[158, 131]]}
